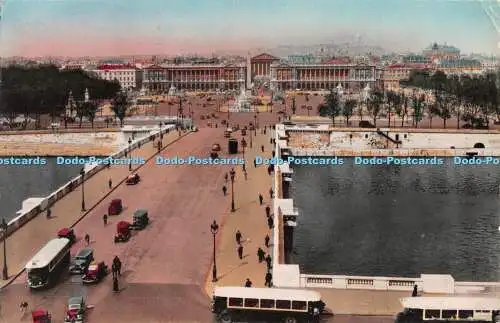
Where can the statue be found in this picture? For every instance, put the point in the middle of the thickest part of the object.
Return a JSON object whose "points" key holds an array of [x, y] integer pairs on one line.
{"points": [[86, 95]]}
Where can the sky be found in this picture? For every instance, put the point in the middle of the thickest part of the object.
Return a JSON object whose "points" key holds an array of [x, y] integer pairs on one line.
{"points": [[173, 27]]}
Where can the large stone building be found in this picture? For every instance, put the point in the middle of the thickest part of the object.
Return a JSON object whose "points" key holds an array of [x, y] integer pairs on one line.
{"points": [[395, 73], [127, 75]]}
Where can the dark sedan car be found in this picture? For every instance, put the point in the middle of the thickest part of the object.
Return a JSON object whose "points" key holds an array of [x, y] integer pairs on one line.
{"points": [[95, 273], [81, 261]]}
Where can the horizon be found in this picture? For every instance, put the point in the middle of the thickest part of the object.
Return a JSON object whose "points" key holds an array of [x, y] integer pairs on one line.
{"points": [[181, 27]]}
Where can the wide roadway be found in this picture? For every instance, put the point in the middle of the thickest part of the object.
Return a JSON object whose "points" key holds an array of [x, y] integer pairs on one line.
{"points": [[165, 265]]}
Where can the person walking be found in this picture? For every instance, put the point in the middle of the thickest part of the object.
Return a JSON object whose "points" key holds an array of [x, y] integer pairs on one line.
{"points": [[268, 211], [245, 174], [248, 283], [238, 237], [271, 193], [87, 239], [262, 148], [266, 241], [224, 190], [255, 163], [261, 199], [110, 184], [415, 291], [269, 170], [49, 213], [270, 222], [226, 177], [269, 262], [105, 219], [240, 251], [261, 254], [269, 279]]}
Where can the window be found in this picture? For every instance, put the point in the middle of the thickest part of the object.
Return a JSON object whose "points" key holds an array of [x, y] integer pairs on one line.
{"points": [[448, 314], [284, 305], [267, 303], [238, 302], [465, 314], [299, 306], [251, 302], [432, 314]]}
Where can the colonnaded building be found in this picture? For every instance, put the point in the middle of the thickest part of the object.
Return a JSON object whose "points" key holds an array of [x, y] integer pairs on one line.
{"points": [[263, 69]]}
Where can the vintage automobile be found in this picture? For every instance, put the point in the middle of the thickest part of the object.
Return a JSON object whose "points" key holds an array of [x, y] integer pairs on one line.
{"points": [[76, 310], [133, 179], [67, 233], [140, 219], [41, 316], [122, 232], [216, 147], [95, 273], [115, 207], [81, 262]]}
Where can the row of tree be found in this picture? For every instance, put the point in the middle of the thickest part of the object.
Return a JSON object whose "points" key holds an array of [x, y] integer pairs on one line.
{"points": [[472, 99], [35, 91]]}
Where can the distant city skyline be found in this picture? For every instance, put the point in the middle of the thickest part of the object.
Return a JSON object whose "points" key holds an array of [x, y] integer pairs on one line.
{"points": [[171, 27]]}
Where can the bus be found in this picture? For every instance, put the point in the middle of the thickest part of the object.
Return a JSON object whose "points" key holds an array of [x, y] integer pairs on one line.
{"points": [[449, 309], [45, 267], [233, 304]]}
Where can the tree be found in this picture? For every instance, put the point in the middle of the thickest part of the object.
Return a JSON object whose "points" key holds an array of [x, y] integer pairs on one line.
{"points": [[81, 111], [393, 102], [418, 108], [120, 106], [348, 109], [375, 102], [331, 107], [91, 108]]}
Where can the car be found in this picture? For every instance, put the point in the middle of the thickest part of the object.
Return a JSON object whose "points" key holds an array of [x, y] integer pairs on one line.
{"points": [[41, 316], [76, 310], [81, 261], [133, 179], [67, 233], [123, 233], [95, 273], [140, 219], [115, 207]]}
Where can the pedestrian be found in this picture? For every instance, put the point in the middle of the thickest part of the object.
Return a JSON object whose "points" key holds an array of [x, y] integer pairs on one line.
{"points": [[248, 283], [271, 193], [262, 148], [268, 262], [244, 168], [261, 199], [49, 213], [224, 190], [273, 153], [261, 254], [245, 174], [105, 219], [269, 279], [225, 177], [266, 240], [270, 140], [269, 170], [270, 222], [87, 238], [415, 291], [255, 163], [23, 306], [238, 237], [240, 251], [268, 211], [110, 184]]}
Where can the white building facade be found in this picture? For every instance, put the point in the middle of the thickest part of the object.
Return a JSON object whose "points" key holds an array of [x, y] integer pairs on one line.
{"points": [[128, 76]]}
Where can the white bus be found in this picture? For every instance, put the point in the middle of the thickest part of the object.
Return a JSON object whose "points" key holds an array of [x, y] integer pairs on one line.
{"points": [[233, 304], [45, 267], [449, 309]]}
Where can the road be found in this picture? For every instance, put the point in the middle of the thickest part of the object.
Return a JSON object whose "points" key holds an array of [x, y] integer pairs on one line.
{"points": [[166, 264]]}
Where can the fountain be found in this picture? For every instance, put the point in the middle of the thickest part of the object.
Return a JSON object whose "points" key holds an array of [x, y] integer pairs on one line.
{"points": [[243, 102]]}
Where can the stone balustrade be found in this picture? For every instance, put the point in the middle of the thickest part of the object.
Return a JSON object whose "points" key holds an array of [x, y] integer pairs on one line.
{"points": [[93, 138]]}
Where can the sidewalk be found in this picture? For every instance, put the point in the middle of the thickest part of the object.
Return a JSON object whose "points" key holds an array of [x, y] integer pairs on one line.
{"points": [[249, 218], [25, 242]]}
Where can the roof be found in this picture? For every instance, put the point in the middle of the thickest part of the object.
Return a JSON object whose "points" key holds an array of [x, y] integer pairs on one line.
{"points": [[264, 57], [47, 253], [451, 303], [93, 267], [338, 60], [75, 300], [442, 48], [268, 293], [107, 67], [460, 63]]}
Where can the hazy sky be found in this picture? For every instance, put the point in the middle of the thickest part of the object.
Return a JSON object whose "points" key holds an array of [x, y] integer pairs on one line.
{"points": [[111, 27]]}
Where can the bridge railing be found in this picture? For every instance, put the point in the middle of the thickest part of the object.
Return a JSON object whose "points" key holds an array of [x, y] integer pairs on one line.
{"points": [[359, 282]]}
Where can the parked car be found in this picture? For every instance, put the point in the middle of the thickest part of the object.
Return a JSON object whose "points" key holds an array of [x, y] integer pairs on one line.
{"points": [[133, 179], [115, 207], [81, 261], [95, 273], [41, 316], [76, 310], [140, 219], [67, 233], [122, 232], [365, 124]]}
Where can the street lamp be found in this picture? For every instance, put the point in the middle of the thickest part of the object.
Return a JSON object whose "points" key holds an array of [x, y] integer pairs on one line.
{"points": [[251, 137], [130, 154], [5, 272], [233, 174], [82, 174], [214, 228], [244, 145], [255, 124]]}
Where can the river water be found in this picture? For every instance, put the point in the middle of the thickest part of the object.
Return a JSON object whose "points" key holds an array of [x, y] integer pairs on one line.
{"points": [[398, 220], [21, 182]]}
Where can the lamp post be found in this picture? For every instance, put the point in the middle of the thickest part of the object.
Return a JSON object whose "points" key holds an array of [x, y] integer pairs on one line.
{"points": [[233, 174], [243, 145], [5, 272], [130, 154], [82, 173], [214, 228], [255, 124], [251, 137]]}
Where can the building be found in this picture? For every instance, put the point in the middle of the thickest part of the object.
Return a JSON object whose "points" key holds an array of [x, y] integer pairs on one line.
{"points": [[324, 76], [193, 77], [127, 75], [395, 73], [260, 66], [436, 51], [460, 66]]}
